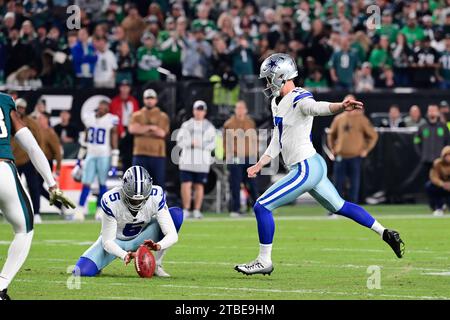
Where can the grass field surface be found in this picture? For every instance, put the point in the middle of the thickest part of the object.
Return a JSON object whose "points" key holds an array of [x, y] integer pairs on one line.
{"points": [[315, 257]]}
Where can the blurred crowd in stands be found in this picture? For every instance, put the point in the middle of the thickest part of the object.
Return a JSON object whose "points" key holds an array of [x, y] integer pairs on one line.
{"points": [[144, 131], [336, 43]]}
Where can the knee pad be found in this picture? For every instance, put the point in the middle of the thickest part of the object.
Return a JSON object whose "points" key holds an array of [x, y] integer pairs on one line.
{"points": [[85, 268], [177, 217]]}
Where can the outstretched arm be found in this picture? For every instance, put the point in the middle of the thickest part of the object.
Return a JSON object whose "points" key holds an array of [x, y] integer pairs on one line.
{"points": [[346, 105], [321, 108]]}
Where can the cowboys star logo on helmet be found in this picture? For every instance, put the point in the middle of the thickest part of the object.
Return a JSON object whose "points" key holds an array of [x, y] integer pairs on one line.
{"points": [[273, 63]]}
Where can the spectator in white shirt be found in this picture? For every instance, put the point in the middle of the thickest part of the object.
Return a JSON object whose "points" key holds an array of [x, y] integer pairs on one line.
{"points": [[364, 80], [196, 138], [106, 66]]}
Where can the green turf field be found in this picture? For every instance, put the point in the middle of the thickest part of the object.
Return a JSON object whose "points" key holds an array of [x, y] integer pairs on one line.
{"points": [[314, 258]]}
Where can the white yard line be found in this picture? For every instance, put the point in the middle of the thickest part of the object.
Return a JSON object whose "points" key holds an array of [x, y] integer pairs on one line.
{"points": [[122, 298], [446, 274], [305, 264], [44, 222], [36, 280], [314, 264], [50, 259], [390, 216], [305, 291], [280, 218], [243, 289], [88, 243], [209, 294], [55, 243], [379, 250], [323, 218]]}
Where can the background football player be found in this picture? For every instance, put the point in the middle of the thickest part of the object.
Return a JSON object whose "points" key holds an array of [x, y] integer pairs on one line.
{"points": [[101, 152], [15, 202], [133, 214], [293, 110]]}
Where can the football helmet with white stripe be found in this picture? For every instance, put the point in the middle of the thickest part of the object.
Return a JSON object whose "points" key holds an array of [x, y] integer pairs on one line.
{"points": [[277, 69], [136, 187]]}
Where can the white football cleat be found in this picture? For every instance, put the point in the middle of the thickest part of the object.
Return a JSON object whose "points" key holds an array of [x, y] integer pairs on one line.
{"points": [[197, 214], [438, 213], [255, 267], [159, 272], [37, 219]]}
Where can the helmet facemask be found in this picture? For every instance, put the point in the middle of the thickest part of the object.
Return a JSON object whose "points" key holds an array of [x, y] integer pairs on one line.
{"points": [[134, 203], [273, 87]]}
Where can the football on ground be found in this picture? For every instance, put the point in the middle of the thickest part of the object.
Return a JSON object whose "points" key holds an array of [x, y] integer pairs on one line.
{"points": [[144, 262], [315, 257]]}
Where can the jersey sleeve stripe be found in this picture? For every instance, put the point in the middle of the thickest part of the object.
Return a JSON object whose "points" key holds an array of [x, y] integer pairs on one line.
{"points": [[106, 209], [162, 202], [300, 97]]}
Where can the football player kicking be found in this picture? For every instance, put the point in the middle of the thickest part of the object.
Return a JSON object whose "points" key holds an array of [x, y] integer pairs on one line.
{"points": [[14, 200], [133, 214], [293, 111]]}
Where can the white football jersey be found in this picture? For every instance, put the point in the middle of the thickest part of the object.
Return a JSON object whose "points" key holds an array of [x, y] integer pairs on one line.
{"points": [[99, 134], [129, 226], [292, 128]]}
